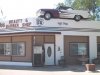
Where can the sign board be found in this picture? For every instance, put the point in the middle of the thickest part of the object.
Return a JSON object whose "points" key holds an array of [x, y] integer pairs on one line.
{"points": [[37, 49], [27, 22], [17, 23]]}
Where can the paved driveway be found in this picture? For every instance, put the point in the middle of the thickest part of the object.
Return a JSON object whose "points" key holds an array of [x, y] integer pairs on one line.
{"points": [[47, 70]]}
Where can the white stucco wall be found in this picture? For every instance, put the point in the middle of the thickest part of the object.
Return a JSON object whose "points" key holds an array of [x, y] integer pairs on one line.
{"points": [[59, 44], [92, 47], [80, 33], [70, 23]]}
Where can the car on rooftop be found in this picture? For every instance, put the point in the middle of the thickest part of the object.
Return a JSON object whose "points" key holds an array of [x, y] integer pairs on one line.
{"points": [[63, 13]]}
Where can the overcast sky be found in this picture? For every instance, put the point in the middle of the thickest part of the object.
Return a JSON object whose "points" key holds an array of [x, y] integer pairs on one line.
{"points": [[25, 8]]}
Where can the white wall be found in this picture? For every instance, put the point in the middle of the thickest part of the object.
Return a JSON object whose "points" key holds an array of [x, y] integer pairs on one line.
{"points": [[58, 23], [59, 46], [92, 47], [80, 33], [70, 23]]}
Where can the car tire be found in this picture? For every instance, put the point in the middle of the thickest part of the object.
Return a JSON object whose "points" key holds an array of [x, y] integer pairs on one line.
{"points": [[47, 16], [77, 17]]}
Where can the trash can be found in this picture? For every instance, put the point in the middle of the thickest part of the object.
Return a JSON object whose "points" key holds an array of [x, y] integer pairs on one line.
{"points": [[90, 67]]}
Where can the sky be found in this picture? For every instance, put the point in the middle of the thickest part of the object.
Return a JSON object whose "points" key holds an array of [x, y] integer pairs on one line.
{"points": [[15, 9]]}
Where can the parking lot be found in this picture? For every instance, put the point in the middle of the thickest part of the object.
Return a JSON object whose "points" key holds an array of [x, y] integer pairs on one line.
{"points": [[47, 70]]}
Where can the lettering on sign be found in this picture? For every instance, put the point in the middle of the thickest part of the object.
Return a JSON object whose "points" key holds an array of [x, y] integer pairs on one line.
{"points": [[39, 21], [26, 20], [26, 24], [12, 25], [16, 23], [62, 23], [2, 25]]}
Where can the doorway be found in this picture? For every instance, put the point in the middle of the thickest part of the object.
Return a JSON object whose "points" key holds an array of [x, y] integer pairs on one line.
{"points": [[49, 54]]}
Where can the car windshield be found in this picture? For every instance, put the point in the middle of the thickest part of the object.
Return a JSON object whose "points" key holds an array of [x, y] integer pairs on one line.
{"points": [[38, 11], [64, 8]]}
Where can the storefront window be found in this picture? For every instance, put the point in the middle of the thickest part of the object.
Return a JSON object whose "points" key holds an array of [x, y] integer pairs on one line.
{"points": [[78, 48], [2, 48], [7, 48], [18, 49], [73, 49], [14, 49]]}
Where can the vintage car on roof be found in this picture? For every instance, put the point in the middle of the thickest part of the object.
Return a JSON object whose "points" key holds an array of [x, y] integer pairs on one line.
{"points": [[63, 12]]}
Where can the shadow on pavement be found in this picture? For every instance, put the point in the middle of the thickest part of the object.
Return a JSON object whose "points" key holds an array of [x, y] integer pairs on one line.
{"points": [[44, 68]]}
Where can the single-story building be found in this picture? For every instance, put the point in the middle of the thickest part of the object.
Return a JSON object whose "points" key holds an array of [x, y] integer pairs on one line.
{"points": [[38, 42]]}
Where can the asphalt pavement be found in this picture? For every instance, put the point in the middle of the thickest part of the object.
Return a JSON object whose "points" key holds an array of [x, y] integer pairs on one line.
{"points": [[48, 70]]}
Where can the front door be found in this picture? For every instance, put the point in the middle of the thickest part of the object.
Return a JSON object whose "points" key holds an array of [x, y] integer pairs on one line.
{"points": [[49, 54]]}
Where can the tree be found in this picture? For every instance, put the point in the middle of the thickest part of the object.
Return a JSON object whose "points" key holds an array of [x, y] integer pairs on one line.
{"points": [[98, 3], [68, 2], [90, 5], [61, 4], [85, 4]]}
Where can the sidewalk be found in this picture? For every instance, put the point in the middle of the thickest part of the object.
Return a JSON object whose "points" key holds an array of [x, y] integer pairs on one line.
{"points": [[47, 70]]}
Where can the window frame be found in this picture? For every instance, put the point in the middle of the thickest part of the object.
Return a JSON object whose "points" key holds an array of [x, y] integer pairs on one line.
{"points": [[9, 50], [17, 47], [5, 49], [98, 53], [77, 48]]}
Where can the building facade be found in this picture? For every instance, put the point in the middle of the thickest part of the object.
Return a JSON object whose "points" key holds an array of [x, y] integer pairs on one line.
{"points": [[37, 42]]}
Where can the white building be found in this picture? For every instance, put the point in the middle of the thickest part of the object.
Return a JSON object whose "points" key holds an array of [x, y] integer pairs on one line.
{"points": [[37, 42]]}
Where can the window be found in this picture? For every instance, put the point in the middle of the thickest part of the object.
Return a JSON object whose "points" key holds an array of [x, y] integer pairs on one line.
{"points": [[49, 51], [5, 48], [18, 49], [2, 48], [78, 48], [98, 48], [73, 49]]}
